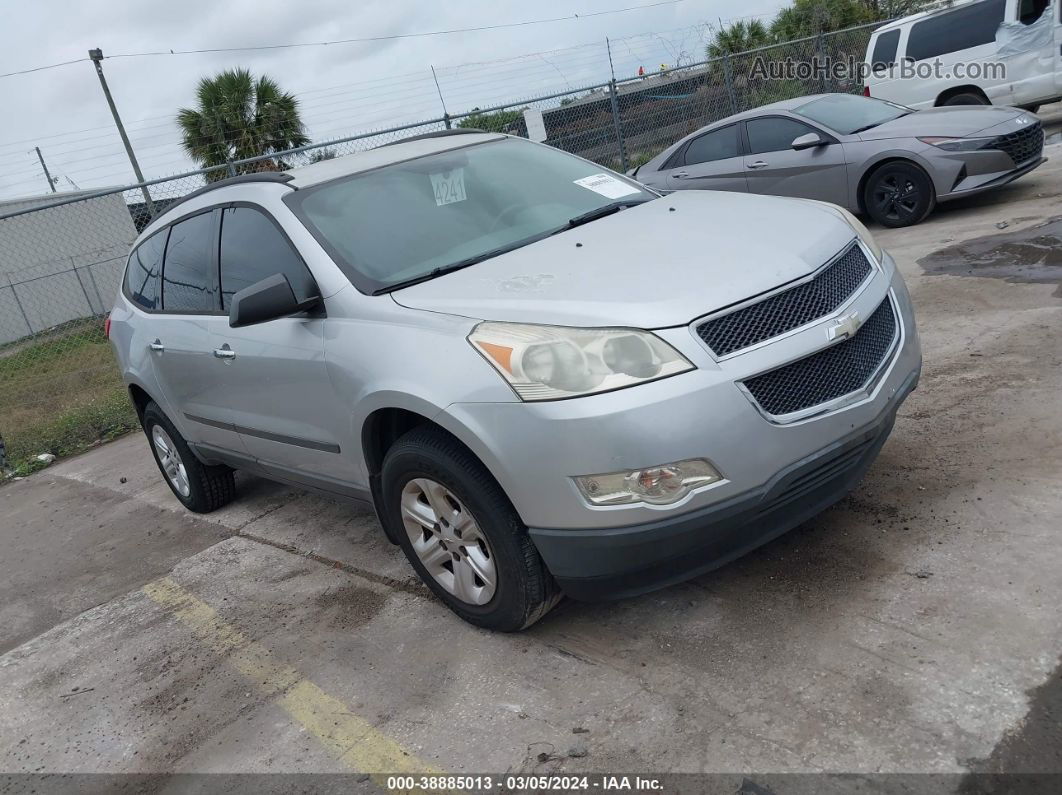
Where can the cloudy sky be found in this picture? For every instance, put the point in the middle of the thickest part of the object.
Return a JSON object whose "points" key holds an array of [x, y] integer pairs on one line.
{"points": [[343, 88]]}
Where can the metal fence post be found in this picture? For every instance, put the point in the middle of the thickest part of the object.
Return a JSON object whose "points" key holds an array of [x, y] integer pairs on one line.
{"points": [[820, 46], [21, 309], [446, 120], [728, 79], [232, 168], [618, 124]]}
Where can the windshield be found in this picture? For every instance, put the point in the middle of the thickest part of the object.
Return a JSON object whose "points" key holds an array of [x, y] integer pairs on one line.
{"points": [[415, 219], [847, 113]]}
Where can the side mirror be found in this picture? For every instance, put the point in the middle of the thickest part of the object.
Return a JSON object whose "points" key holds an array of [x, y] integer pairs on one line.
{"points": [[267, 300], [808, 141]]}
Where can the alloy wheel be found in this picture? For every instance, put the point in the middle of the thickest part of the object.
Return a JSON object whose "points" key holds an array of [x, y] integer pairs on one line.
{"points": [[448, 541], [172, 465]]}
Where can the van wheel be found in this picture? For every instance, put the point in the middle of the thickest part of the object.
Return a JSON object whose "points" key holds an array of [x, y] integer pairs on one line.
{"points": [[966, 98], [199, 487], [461, 533], [899, 194]]}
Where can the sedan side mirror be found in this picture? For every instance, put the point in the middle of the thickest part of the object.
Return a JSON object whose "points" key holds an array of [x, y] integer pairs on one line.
{"points": [[808, 141], [267, 300]]}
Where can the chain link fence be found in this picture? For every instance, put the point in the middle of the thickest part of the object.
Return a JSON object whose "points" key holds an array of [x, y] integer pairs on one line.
{"points": [[61, 257]]}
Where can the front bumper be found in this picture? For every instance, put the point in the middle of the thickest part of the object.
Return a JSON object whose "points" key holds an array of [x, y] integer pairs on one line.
{"points": [[613, 563]]}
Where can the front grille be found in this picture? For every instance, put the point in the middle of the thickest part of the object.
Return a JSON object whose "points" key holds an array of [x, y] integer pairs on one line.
{"points": [[831, 373], [790, 309], [1023, 145]]}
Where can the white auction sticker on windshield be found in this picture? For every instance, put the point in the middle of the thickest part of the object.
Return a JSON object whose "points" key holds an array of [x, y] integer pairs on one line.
{"points": [[607, 185], [449, 186]]}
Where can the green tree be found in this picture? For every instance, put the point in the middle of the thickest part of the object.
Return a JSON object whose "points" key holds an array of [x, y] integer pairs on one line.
{"points": [[738, 37], [811, 17], [498, 121], [238, 116]]}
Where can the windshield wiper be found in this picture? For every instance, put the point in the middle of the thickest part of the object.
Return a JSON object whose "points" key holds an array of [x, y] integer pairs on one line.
{"points": [[456, 266], [601, 212], [877, 124]]}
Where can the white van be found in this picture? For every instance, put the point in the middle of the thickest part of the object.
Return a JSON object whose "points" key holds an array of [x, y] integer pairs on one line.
{"points": [[949, 55]]}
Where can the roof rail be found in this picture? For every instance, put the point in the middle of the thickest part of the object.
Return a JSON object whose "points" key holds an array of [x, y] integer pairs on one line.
{"points": [[437, 134], [260, 176]]}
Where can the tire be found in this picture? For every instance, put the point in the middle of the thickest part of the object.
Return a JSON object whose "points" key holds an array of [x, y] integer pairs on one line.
{"points": [[475, 531], [899, 194], [966, 98], [202, 488]]}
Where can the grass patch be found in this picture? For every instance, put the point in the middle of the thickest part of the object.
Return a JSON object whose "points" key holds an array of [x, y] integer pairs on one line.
{"points": [[59, 394]]}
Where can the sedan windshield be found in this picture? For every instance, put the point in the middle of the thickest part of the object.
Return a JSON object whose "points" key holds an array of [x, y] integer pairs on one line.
{"points": [[420, 218], [848, 114]]}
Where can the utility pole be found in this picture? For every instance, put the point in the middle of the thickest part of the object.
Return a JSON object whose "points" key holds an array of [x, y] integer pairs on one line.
{"points": [[47, 175], [96, 57]]}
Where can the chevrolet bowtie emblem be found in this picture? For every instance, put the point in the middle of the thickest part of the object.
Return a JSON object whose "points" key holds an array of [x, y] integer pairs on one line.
{"points": [[844, 327]]}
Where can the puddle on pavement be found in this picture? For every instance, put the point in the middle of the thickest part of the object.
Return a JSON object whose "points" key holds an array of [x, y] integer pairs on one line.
{"points": [[1031, 255], [1053, 137]]}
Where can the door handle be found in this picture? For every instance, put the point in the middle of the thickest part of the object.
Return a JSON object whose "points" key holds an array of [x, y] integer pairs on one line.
{"points": [[681, 175], [157, 346], [758, 164], [224, 353]]}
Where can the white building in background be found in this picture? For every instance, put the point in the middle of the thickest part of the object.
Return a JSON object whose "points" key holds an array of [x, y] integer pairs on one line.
{"points": [[61, 263]]}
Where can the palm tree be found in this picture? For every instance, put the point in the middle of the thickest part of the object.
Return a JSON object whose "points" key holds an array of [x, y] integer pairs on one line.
{"points": [[739, 37], [239, 117]]}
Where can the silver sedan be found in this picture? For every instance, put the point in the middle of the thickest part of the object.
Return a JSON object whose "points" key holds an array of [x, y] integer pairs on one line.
{"points": [[869, 156]]}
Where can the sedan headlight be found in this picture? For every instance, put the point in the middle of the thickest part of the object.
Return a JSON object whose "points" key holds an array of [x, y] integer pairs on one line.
{"points": [[553, 362], [949, 144]]}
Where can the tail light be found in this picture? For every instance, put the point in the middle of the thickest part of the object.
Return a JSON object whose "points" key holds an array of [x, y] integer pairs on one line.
{"points": [[866, 91], [107, 327]]}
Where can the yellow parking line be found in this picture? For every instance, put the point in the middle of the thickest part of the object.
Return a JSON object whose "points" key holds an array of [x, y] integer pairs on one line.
{"points": [[349, 738]]}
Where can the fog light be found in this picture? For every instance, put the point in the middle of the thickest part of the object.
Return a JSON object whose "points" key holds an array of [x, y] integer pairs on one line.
{"points": [[658, 485]]}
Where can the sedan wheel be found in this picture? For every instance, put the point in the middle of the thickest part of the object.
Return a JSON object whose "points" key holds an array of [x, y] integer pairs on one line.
{"points": [[899, 194], [448, 541]]}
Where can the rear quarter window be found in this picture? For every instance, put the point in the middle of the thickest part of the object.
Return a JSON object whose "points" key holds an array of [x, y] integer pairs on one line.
{"points": [[884, 54], [143, 273], [959, 29]]}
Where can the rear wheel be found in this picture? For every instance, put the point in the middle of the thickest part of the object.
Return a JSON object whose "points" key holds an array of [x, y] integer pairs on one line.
{"points": [[462, 535], [899, 194], [199, 487], [967, 98]]}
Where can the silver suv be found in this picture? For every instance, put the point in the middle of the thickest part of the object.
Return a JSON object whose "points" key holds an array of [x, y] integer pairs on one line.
{"points": [[545, 377]]}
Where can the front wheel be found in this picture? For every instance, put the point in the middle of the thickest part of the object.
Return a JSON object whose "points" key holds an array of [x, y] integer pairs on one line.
{"points": [[461, 533], [899, 194], [967, 98]]}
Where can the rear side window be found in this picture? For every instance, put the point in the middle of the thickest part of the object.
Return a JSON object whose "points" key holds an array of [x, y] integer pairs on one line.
{"points": [[715, 145], [189, 281], [774, 134], [252, 249], [1031, 10], [965, 27], [885, 50], [144, 272]]}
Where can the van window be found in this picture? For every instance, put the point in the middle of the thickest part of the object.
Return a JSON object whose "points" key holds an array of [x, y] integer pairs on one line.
{"points": [[144, 271], [714, 145], [252, 249], [885, 50], [1031, 10], [960, 29], [188, 275]]}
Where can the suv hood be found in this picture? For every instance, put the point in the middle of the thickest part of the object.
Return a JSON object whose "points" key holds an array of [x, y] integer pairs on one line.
{"points": [[659, 264], [955, 120]]}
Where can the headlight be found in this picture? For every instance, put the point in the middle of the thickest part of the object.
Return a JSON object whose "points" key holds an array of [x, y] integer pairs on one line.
{"points": [[957, 144], [552, 362], [659, 485], [857, 227]]}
